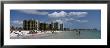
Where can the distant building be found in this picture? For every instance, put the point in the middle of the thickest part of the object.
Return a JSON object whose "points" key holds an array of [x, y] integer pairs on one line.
{"points": [[61, 27], [66, 29]]}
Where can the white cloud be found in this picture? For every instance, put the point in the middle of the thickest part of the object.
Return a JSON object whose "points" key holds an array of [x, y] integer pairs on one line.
{"points": [[78, 20], [68, 19], [78, 14], [34, 12], [64, 14], [64, 20], [16, 23], [82, 20], [56, 14], [85, 21], [59, 21]]}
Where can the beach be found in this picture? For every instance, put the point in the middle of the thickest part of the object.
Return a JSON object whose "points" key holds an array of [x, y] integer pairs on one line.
{"points": [[57, 35]]}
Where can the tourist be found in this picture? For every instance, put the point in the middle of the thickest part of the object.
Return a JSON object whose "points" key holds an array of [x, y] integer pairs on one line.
{"points": [[79, 32]]}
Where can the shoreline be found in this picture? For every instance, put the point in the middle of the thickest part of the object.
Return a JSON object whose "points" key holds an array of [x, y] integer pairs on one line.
{"points": [[49, 35]]}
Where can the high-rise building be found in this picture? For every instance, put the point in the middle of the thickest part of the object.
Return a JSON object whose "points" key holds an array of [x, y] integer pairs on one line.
{"points": [[61, 27], [50, 27], [36, 25], [43, 26], [30, 25], [47, 26], [55, 26]]}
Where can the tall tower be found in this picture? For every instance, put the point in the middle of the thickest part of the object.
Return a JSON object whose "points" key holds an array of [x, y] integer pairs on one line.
{"points": [[61, 27], [37, 25], [56, 25], [25, 25], [30, 24]]}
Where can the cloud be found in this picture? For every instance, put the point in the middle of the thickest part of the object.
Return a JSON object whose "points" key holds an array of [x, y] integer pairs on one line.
{"points": [[82, 20], [16, 23], [64, 14], [72, 19], [76, 20], [78, 14], [69, 19], [64, 20], [59, 21], [56, 14], [34, 12]]}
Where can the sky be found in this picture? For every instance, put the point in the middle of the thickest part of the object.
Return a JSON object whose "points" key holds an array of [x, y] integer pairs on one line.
{"points": [[75, 19]]}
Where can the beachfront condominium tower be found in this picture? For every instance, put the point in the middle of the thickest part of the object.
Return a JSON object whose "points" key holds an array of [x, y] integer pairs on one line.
{"points": [[61, 27], [30, 24], [42, 26], [36, 25], [56, 26]]}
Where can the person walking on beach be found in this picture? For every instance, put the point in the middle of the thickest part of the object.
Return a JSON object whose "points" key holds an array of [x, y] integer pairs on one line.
{"points": [[78, 32]]}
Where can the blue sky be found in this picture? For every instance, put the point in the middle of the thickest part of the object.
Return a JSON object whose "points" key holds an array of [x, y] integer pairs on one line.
{"points": [[85, 19]]}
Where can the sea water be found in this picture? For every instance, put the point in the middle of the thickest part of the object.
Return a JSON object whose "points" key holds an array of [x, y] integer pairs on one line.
{"points": [[90, 35], [75, 35]]}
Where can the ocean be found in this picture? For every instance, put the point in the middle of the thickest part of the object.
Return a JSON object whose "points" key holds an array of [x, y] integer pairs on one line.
{"points": [[75, 35]]}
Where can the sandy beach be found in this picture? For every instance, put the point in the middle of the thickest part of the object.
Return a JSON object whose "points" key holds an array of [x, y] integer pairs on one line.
{"points": [[55, 35]]}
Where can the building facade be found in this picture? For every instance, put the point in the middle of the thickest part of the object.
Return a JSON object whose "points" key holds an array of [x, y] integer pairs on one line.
{"points": [[36, 25], [30, 25], [61, 27]]}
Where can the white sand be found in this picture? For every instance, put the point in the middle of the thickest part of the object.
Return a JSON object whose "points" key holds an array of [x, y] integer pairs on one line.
{"points": [[25, 33]]}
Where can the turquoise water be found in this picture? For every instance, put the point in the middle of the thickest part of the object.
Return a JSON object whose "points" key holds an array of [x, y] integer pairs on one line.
{"points": [[74, 35], [90, 35]]}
